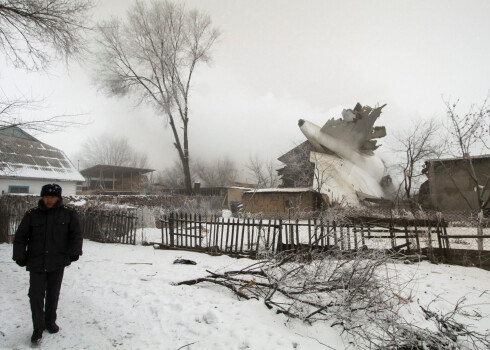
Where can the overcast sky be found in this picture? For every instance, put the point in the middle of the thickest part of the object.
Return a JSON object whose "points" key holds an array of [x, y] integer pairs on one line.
{"points": [[281, 60]]}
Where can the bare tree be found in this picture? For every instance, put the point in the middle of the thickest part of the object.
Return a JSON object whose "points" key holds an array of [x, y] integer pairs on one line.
{"points": [[153, 54], [33, 33], [416, 144], [468, 134], [218, 173], [264, 173], [111, 150], [173, 176], [9, 108], [29, 29]]}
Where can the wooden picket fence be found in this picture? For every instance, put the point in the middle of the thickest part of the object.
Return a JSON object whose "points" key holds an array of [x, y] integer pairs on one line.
{"points": [[11, 214], [109, 226], [254, 238]]}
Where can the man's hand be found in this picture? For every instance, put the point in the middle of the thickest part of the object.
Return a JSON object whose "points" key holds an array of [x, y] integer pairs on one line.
{"points": [[74, 258], [21, 263]]}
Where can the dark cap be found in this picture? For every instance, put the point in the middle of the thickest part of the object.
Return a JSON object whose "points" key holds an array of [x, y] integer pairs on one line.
{"points": [[53, 190]]}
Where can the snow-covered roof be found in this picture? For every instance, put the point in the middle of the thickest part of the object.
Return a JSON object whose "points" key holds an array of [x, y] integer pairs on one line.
{"points": [[478, 157], [23, 156], [282, 190]]}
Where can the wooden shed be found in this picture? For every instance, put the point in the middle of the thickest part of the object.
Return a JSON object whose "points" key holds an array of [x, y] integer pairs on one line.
{"points": [[111, 179]]}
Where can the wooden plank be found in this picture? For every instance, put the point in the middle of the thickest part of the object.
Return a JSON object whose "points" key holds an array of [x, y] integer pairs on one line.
{"points": [[227, 236], [417, 238], [258, 239], [393, 237], [267, 241], [309, 232], [251, 243], [362, 235], [315, 232], [200, 231], [171, 229], [407, 241], [438, 232], [185, 228], [243, 234], [216, 233], [446, 236], [348, 237], [247, 246], [356, 243], [233, 229], [297, 231], [274, 235], [342, 238]]}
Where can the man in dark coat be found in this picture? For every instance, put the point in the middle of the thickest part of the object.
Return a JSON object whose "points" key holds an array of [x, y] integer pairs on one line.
{"points": [[48, 239]]}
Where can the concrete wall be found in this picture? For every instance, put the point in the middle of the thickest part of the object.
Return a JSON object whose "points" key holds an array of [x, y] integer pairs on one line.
{"points": [[68, 188], [280, 202], [449, 183]]}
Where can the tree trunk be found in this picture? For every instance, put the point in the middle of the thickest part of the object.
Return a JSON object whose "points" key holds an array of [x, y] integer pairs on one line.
{"points": [[479, 230], [187, 175]]}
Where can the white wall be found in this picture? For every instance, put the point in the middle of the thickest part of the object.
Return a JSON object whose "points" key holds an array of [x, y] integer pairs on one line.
{"points": [[68, 188]]}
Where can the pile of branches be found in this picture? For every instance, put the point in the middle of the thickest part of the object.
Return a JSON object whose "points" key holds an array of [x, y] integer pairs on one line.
{"points": [[351, 291]]}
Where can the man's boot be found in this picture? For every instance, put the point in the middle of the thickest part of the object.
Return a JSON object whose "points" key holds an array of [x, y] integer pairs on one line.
{"points": [[37, 335], [52, 327]]}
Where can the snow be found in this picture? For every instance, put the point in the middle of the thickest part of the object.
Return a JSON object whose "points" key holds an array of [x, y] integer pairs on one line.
{"points": [[125, 297], [18, 170]]}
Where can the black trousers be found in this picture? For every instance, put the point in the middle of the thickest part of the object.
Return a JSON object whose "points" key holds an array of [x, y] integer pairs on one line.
{"points": [[44, 292]]}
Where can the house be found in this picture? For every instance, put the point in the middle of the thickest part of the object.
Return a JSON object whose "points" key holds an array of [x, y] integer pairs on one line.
{"points": [[282, 200], [112, 179], [26, 164], [450, 186], [298, 171]]}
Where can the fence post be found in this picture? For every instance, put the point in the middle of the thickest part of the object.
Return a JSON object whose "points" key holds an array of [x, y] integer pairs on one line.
{"points": [[407, 240], [417, 237], [392, 235], [171, 228], [279, 236]]}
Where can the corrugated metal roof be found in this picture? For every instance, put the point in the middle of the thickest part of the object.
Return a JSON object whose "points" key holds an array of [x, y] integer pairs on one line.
{"points": [[96, 170], [21, 157]]}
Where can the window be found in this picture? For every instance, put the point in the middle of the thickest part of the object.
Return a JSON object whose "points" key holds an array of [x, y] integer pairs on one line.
{"points": [[18, 189]]}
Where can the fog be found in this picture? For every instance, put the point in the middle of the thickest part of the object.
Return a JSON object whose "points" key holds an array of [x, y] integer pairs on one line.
{"points": [[278, 61]]}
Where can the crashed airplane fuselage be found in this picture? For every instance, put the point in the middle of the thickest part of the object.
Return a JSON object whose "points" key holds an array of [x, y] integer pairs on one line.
{"points": [[346, 166]]}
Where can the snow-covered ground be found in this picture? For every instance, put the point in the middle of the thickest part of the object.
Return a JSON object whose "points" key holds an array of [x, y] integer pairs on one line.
{"points": [[124, 297]]}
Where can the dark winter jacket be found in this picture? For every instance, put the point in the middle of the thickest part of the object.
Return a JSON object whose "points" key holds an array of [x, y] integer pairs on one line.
{"points": [[47, 238]]}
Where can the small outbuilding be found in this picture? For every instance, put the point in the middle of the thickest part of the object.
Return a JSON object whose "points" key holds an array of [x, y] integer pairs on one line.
{"points": [[282, 200], [112, 179], [451, 184], [26, 164]]}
